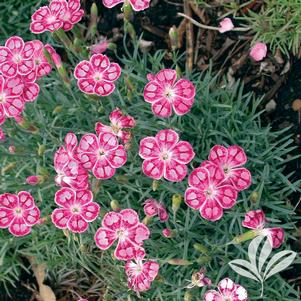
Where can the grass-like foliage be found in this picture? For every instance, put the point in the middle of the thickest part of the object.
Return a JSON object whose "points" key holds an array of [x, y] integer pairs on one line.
{"points": [[220, 115]]}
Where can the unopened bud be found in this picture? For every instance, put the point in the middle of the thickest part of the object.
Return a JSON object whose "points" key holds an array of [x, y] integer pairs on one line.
{"points": [[100, 47], [187, 296], [146, 220], [245, 236], [129, 28], [168, 233], [57, 110], [254, 197], [155, 185], [41, 149], [2, 135], [34, 180], [201, 248], [173, 36], [182, 262], [8, 167], [115, 205], [203, 260], [12, 149], [176, 202], [128, 12]]}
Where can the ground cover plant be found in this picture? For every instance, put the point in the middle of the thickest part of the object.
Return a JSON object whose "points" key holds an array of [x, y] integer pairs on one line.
{"points": [[127, 177]]}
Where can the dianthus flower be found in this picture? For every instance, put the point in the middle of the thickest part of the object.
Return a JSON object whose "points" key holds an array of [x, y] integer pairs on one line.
{"points": [[69, 169], [16, 57], [259, 51], [256, 220], [11, 102], [125, 227], [227, 290], [119, 125], [77, 210], [166, 94], [18, 213], [97, 75], [165, 156], [141, 273], [230, 161], [137, 5], [208, 193], [101, 154], [153, 208]]}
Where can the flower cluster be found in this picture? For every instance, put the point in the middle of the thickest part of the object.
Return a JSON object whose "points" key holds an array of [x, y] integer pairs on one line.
{"points": [[215, 184], [21, 65], [58, 14], [256, 220], [18, 213], [125, 227]]}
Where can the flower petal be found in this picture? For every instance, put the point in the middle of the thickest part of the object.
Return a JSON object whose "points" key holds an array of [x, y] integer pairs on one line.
{"points": [[183, 152], [31, 216], [104, 238], [153, 168], [211, 210], [149, 148], [240, 178], [9, 200], [111, 3], [199, 178], [139, 234], [112, 220], [152, 92], [6, 217], [103, 169], [65, 197], [174, 171], [276, 236], [139, 5], [104, 88], [130, 218], [212, 295], [236, 156], [162, 108], [99, 62], [194, 198], [26, 201], [83, 70], [77, 224], [15, 44], [226, 196], [18, 227], [167, 139], [90, 211], [117, 157], [86, 85], [13, 106], [88, 144], [254, 219], [125, 250], [84, 197], [60, 217], [112, 73]]}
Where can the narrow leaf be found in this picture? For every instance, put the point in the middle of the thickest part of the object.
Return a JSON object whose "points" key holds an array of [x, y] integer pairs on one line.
{"points": [[252, 250]]}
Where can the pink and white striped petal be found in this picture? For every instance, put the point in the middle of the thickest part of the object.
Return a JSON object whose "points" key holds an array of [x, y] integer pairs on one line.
{"points": [[199, 178], [87, 85], [211, 210], [125, 250], [83, 70], [90, 211], [240, 178], [218, 154], [162, 107], [88, 144], [104, 238], [254, 219], [183, 152], [130, 218], [139, 234], [139, 5], [99, 62], [31, 92], [112, 73], [65, 197], [26, 200], [103, 169], [112, 220], [226, 196], [167, 139], [31, 216], [181, 105], [149, 148], [275, 236], [111, 3], [13, 106], [212, 295], [77, 224], [15, 44], [153, 168], [83, 197], [104, 88], [185, 89], [194, 198], [117, 157], [236, 156], [152, 92], [6, 217], [9, 200], [174, 171], [18, 227]]}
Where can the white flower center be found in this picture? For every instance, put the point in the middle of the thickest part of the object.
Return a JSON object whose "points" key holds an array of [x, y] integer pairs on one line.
{"points": [[169, 93], [51, 19], [75, 209], [122, 234], [17, 58], [98, 76], [18, 211], [2, 98]]}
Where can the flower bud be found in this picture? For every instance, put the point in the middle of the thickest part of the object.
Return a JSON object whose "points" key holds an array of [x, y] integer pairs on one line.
{"points": [[168, 233], [129, 28], [254, 197], [182, 262], [34, 180], [57, 110], [128, 12], [258, 51], [12, 149], [245, 236], [41, 149], [8, 167], [173, 36], [155, 185], [176, 202], [201, 248], [146, 220], [101, 47], [115, 205], [187, 296]]}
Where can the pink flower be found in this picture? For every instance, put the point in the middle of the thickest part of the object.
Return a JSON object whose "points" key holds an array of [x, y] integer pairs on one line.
{"points": [[153, 208], [41, 65], [11, 102], [16, 57], [225, 25], [227, 290], [54, 56], [137, 5], [31, 89], [77, 210], [256, 220], [18, 213], [259, 51], [119, 122], [124, 227], [165, 94], [208, 193], [101, 154], [33, 180], [230, 160], [168, 233], [70, 171], [72, 14], [165, 156], [198, 279], [141, 274], [100, 47], [48, 18], [2, 135], [97, 75]]}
